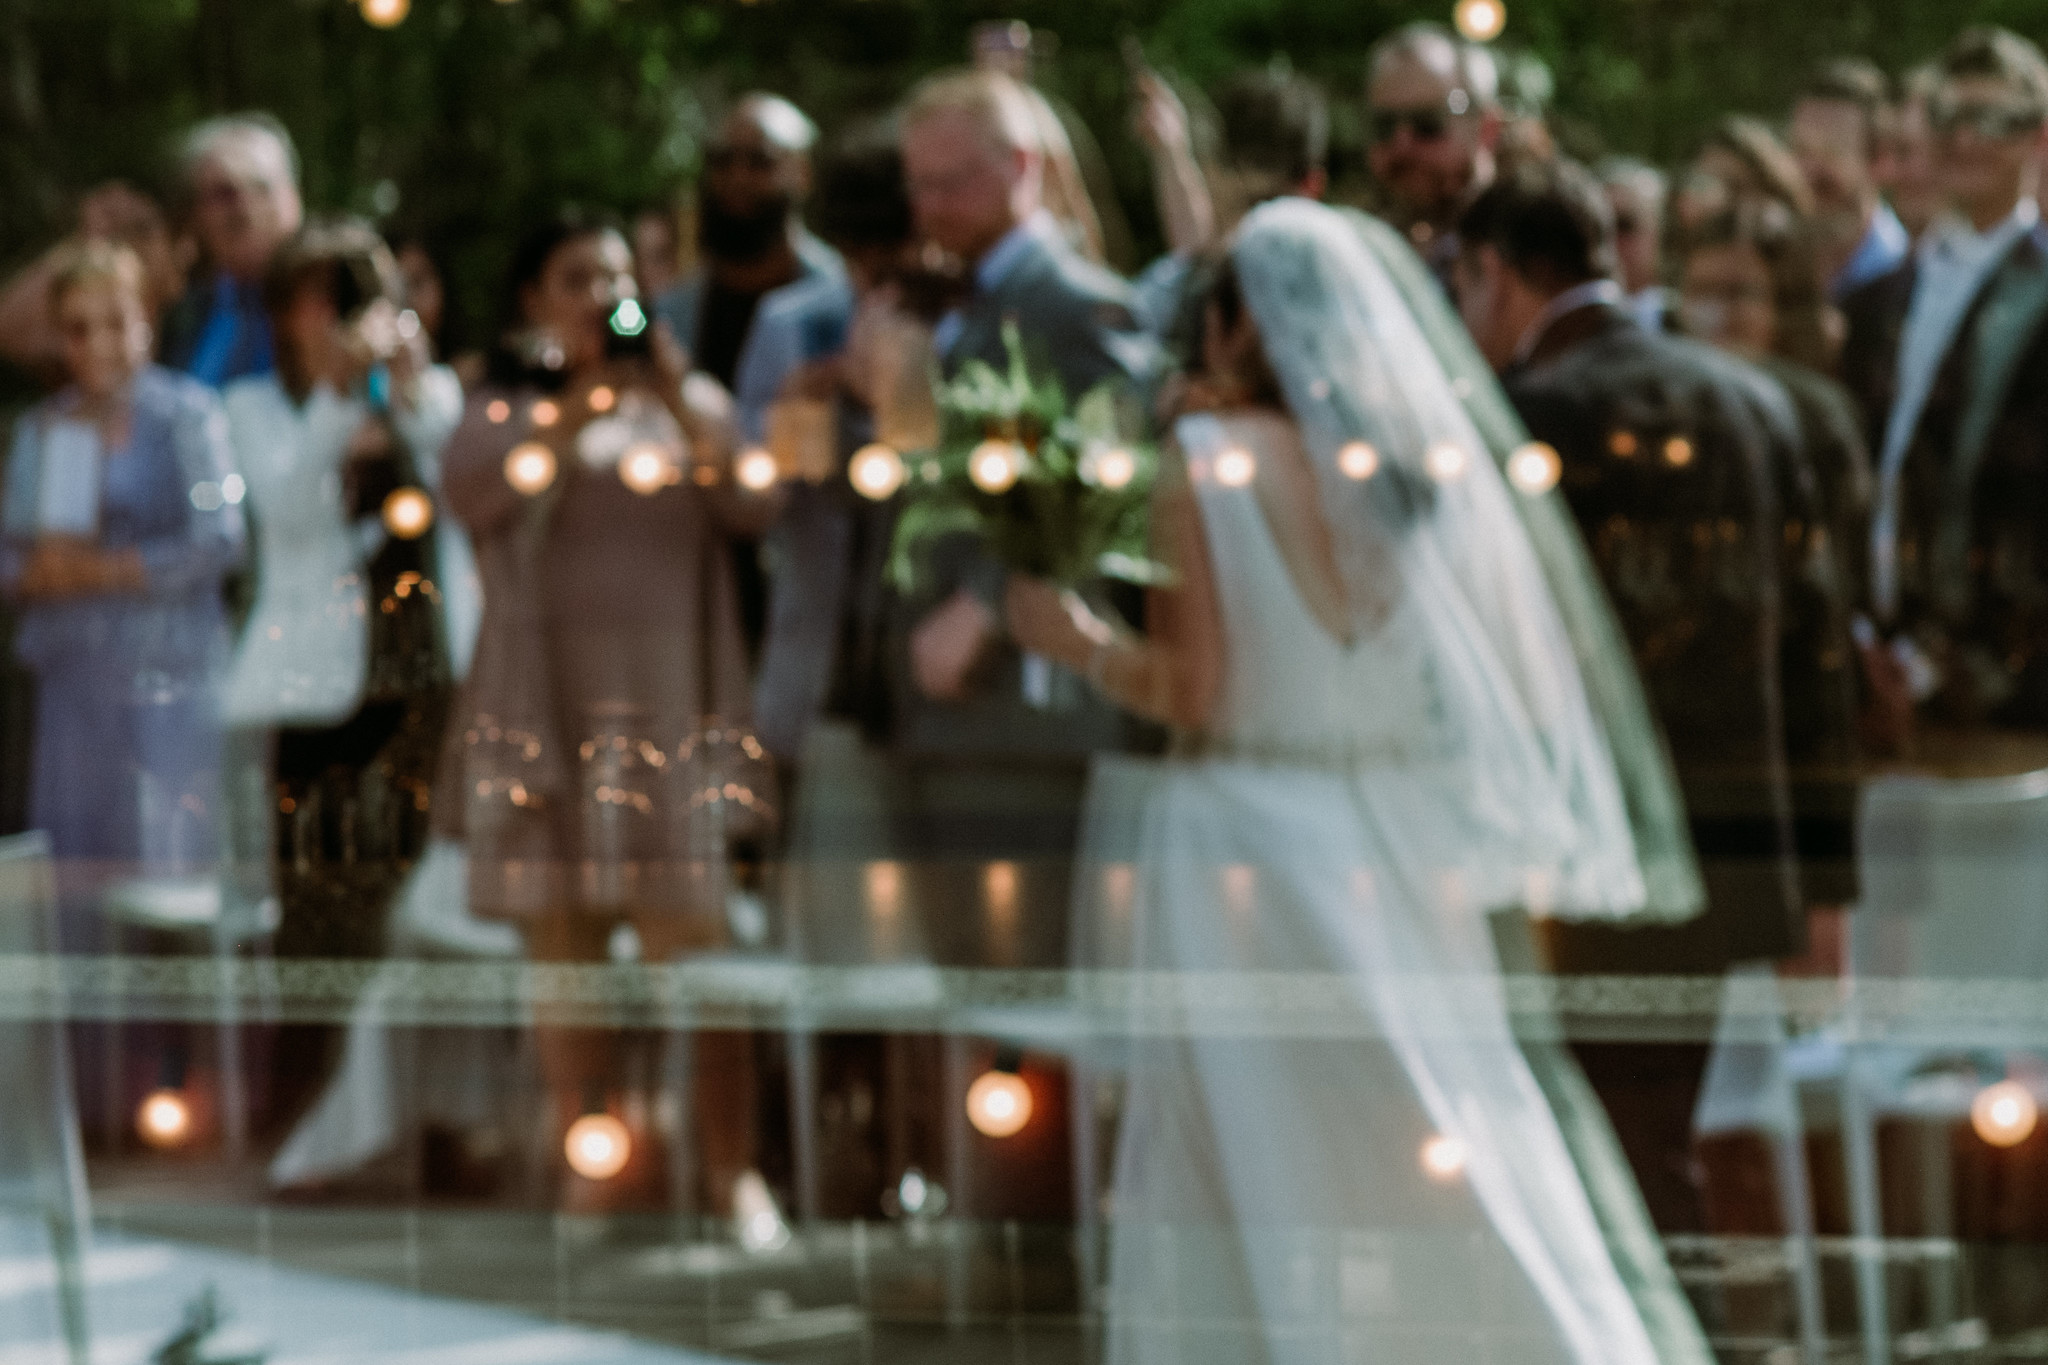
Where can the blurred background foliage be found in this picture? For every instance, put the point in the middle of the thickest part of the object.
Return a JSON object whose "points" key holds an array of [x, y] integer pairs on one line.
{"points": [[473, 114]]}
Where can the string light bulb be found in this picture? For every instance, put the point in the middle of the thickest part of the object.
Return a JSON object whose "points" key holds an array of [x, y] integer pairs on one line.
{"points": [[530, 468], [545, 413], [2004, 1114], [646, 469], [755, 470], [1480, 21], [1443, 1158], [1113, 468], [603, 398], [1358, 460], [386, 13], [1235, 467], [1535, 468], [164, 1118], [597, 1146], [1446, 461], [994, 466], [876, 472], [999, 1102], [408, 513]]}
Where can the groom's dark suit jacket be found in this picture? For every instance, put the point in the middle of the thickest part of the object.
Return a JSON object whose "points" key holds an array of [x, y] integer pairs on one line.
{"points": [[1672, 460]]}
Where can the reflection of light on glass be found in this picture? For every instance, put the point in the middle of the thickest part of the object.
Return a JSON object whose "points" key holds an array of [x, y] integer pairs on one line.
{"points": [[2004, 1114], [995, 465], [876, 472], [530, 467], [1446, 461], [603, 398], [1622, 445], [497, 411], [233, 489], [386, 13], [1358, 460], [645, 468], [755, 470], [1481, 21], [408, 512], [164, 1118], [1678, 452], [545, 413], [999, 1103], [755, 1216], [913, 1191], [598, 1146], [1235, 468], [1443, 1158], [1113, 468], [1534, 468]]}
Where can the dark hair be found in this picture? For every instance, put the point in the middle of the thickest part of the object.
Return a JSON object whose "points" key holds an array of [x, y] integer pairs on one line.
{"points": [[1550, 221], [1856, 81], [1223, 291], [342, 257], [1274, 121], [1786, 245], [1769, 162], [1999, 53], [538, 244], [860, 199]]}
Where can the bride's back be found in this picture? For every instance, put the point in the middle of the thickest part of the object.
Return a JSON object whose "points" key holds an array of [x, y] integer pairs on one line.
{"points": [[1308, 673]]}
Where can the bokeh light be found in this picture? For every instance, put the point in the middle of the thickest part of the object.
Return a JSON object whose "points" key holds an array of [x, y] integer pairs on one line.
{"points": [[386, 13], [1358, 460], [646, 468], [2005, 1114], [876, 472], [597, 1147], [530, 468], [999, 1104], [164, 1119], [1446, 461], [755, 470], [1443, 1158], [1235, 467], [1113, 468], [408, 513], [995, 465], [1534, 468], [1480, 21]]}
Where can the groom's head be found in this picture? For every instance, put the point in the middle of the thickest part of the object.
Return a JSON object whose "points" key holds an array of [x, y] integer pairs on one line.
{"points": [[972, 159], [1534, 233]]}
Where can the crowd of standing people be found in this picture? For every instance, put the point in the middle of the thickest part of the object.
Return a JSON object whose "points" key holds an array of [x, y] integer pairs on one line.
{"points": [[301, 594]]}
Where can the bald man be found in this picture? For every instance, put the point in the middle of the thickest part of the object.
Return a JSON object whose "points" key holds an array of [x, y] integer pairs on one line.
{"points": [[1433, 126]]}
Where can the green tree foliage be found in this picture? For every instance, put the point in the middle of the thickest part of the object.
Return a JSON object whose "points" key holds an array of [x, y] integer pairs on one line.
{"points": [[473, 115]]}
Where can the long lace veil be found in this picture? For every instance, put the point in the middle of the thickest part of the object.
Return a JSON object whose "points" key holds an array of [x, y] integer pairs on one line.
{"points": [[1416, 506]]}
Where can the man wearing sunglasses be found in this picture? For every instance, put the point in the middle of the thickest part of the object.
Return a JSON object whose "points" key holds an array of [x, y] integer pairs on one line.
{"points": [[1946, 354], [1433, 124]]}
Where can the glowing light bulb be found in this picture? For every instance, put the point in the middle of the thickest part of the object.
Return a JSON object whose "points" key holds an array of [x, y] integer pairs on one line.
{"points": [[995, 465], [164, 1119], [755, 470], [2004, 1114], [408, 512], [530, 468], [1358, 460], [1678, 452], [545, 413], [1446, 461], [603, 398], [597, 1147], [497, 411], [999, 1103], [876, 472], [1235, 468], [1480, 21], [1443, 1158], [646, 469], [386, 13], [1113, 468], [1534, 468]]}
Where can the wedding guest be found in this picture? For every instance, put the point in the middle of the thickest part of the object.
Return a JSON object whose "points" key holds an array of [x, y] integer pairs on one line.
{"points": [[1742, 162], [610, 638], [657, 250], [1939, 352], [1837, 134], [239, 177], [753, 245], [1635, 192], [1658, 436], [1909, 181], [1749, 284], [1433, 126], [115, 213], [344, 662], [122, 519]]}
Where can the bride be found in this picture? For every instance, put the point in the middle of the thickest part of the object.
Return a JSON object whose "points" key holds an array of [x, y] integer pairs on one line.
{"points": [[1383, 737]]}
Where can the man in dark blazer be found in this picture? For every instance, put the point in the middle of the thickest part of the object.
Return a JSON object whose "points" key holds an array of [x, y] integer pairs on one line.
{"points": [[1945, 354], [1670, 454], [993, 745]]}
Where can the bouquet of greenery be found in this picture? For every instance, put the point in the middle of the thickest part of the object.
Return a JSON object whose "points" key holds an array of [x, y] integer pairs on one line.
{"points": [[1058, 493]]}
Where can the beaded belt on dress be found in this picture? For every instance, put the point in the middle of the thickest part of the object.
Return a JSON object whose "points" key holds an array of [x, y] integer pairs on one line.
{"points": [[1340, 755]]}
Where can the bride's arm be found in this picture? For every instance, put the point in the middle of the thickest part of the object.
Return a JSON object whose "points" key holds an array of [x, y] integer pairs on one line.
{"points": [[1170, 674]]}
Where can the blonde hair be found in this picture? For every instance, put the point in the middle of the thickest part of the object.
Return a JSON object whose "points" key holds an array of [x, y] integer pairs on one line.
{"points": [[78, 264]]}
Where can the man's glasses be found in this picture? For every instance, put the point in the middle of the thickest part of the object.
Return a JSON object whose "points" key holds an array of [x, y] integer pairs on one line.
{"points": [[747, 158], [1992, 122]]}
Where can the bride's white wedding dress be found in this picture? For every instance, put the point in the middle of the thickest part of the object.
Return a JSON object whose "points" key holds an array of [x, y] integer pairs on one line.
{"points": [[1388, 1185]]}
